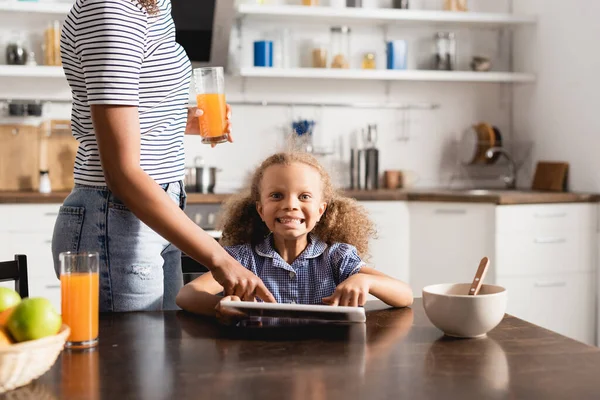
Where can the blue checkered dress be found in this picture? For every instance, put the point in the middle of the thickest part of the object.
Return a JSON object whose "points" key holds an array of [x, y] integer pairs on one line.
{"points": [[313, 275]]}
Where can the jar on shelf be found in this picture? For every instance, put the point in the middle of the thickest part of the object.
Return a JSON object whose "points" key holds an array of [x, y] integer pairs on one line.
{"points": [[445, 51], [310, 2], [16, 52], [455, 5], [319, 55], [368, 61], [340, 47]]}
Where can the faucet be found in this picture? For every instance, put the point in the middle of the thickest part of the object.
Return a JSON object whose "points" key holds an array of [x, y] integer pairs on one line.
{"points": [[511, 179]]}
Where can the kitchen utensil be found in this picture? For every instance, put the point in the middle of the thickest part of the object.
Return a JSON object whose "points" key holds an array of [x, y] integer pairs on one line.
{"points": [[552, 176], [458, 314], [371, 158], [479, 276]]}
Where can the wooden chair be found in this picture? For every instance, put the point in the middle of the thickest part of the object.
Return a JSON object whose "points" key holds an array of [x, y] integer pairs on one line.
{"points": [[16, 271]]}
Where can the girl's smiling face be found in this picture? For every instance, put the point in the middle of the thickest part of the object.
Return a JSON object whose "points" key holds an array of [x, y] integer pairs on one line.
{"points": [[291, 200]]}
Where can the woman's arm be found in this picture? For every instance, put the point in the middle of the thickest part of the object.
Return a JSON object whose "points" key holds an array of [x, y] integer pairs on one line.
{"points": [[200, 295], [118, 136], [353, 291]]}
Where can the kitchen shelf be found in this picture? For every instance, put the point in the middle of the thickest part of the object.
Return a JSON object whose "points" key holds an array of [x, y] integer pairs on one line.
{"points": [[18, 71], [381, 16], [56, 8], [388, 75]]}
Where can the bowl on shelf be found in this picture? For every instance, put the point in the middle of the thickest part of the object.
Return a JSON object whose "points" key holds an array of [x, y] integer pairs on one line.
{"points": [[20, 363], [457, 314]]}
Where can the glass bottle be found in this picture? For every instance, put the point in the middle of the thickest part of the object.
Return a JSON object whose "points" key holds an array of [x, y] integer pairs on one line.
{"points": [[445, 54], [340, 47]]}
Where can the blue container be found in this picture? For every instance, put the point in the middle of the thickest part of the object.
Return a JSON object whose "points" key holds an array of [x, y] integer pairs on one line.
{"points": [[396, 54], [263, 53]]}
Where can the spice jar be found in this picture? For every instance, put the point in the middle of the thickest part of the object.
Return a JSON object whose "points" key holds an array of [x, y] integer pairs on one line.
{"points": [[51, 44], [310, 2], [445, 54], [340, 47], [319, 56], [368, 61], [455, 5]]}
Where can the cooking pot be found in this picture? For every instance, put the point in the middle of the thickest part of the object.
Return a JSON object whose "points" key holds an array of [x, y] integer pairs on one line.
{"points": [[200, 178]]}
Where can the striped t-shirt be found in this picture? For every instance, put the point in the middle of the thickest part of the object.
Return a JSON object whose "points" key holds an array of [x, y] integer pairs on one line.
{"points": [[113, 52]]}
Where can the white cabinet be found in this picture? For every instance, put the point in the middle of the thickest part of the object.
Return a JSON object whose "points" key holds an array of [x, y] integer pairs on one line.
{"points": [[28, 230], [563, 303], [447, 241], [390, 249], [545, 258]]}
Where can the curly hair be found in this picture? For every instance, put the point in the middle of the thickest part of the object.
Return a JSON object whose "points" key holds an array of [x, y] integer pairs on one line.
{"points": [[344, 220], [151, 6]]}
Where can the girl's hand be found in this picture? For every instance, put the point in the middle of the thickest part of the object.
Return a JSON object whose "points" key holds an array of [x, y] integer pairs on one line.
{"points": [[193, 124], [227, 316], [352, 292]]}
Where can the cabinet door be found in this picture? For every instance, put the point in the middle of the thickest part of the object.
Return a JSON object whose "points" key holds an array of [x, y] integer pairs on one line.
{"points": [[38, 249], [447, 241], [390, 249], [563, 303]]}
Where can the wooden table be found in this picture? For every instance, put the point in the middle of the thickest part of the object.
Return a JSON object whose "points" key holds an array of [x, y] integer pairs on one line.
{"points": [[396, 354]]}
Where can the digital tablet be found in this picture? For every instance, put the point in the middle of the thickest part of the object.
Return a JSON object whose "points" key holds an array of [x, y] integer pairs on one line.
{"points": [[300, 311]]}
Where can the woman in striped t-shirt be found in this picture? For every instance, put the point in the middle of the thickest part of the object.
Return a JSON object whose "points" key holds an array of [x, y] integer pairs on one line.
{"points": [[130, 80]]}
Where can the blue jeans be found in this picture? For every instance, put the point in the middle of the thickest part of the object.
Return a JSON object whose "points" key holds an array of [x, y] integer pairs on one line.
{"points": [[139, 270]]}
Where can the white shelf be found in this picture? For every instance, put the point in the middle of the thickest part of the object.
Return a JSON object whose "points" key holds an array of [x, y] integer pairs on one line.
{"points": [[384, 16], [58, 9], [18, 71], [388, 75]]}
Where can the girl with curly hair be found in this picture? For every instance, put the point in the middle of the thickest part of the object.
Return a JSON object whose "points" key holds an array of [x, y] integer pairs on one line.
{"points": [[301, 237]]}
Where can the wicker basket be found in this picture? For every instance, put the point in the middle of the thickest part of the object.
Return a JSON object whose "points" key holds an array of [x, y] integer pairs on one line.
{"points": [[23, 362]]}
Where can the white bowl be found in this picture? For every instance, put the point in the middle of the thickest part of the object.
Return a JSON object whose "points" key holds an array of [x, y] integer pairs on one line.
{"points": [[457, 314]]}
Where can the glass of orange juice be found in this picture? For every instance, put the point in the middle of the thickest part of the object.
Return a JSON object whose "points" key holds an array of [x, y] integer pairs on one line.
{"points": [[79, 296], [210, 95]]}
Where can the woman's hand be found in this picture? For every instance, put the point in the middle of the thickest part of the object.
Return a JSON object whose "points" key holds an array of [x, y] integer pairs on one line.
{"points": [[238, 281], [227, 316], [352, 292], [193, 124]]}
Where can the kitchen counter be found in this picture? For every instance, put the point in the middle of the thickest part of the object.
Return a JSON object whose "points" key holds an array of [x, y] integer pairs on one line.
{"points": [[396, 354], [501, 197]]}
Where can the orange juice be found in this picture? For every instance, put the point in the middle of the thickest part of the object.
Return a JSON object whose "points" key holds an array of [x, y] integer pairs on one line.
{"points": [[79, 293], [214, 120]]}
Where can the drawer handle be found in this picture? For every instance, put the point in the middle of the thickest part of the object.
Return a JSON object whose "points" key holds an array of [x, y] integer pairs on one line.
{"points": [[52, 286], [542, 284], [48, 241], [549, 240], [551, 215], [51, 214], [449, 211]]}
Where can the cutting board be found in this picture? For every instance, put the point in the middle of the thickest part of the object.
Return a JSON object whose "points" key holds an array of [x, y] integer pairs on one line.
{"points": [[551, 176], [25, 149]]}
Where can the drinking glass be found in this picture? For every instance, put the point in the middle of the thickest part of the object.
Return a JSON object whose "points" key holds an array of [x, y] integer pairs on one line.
{"points": [[79, 295], [210, 95]]}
